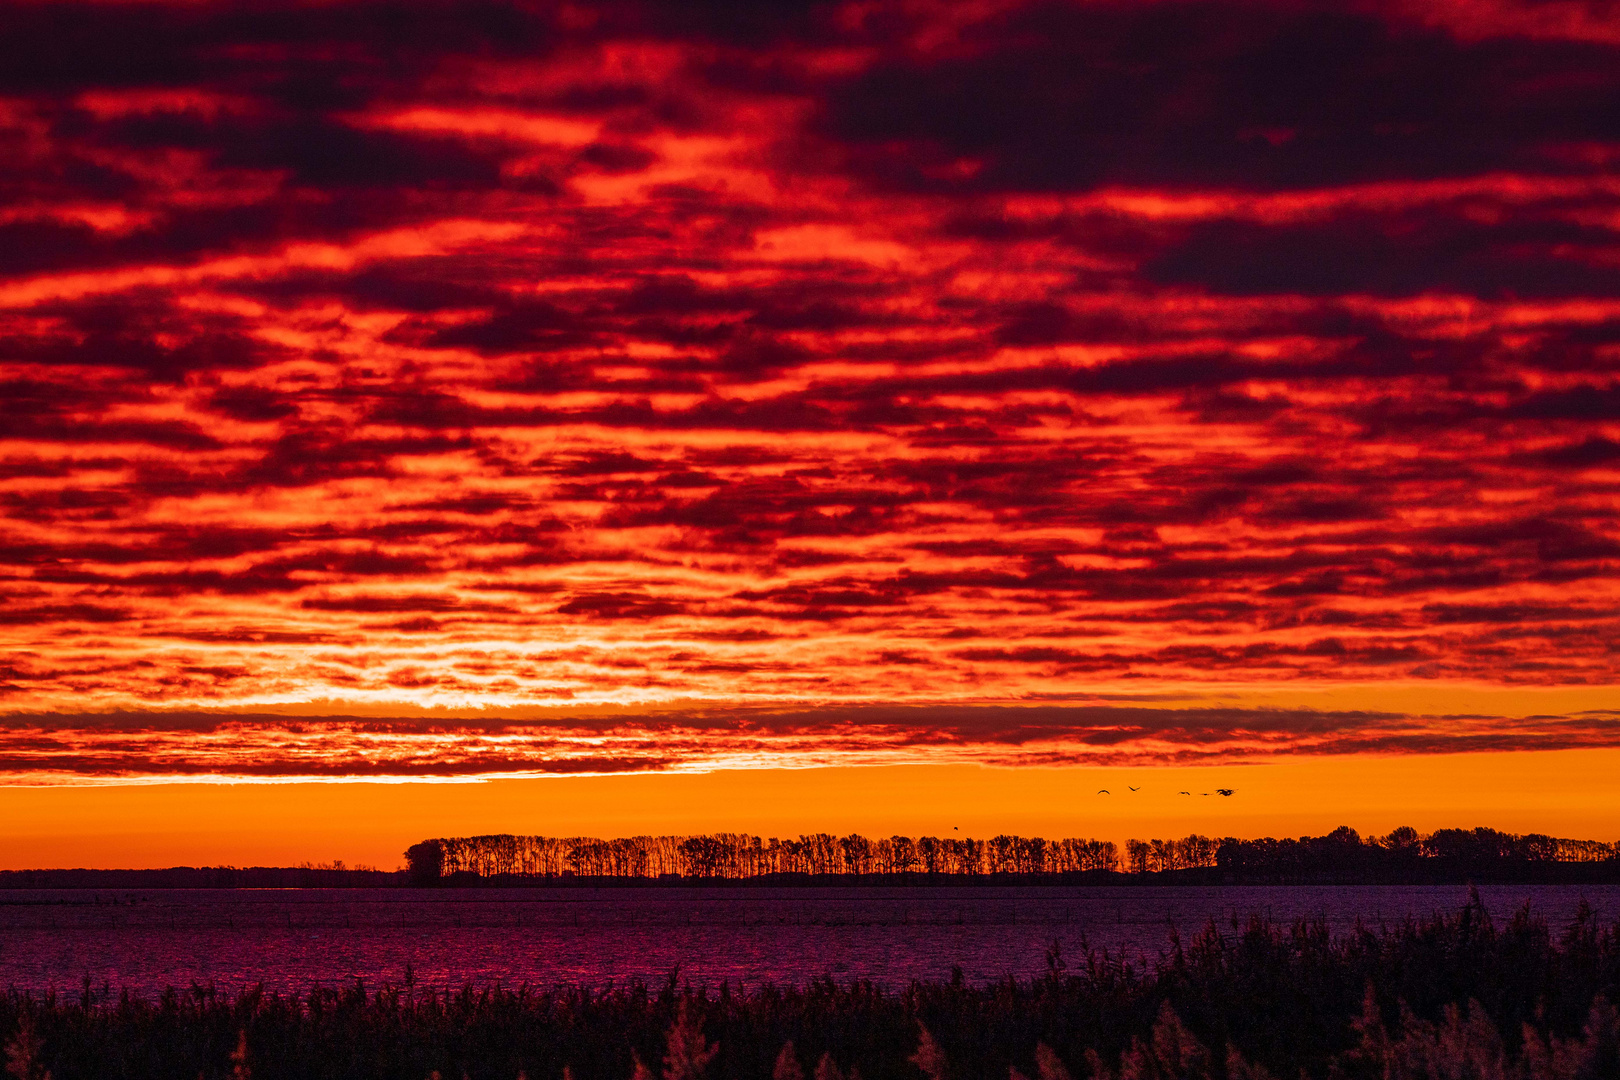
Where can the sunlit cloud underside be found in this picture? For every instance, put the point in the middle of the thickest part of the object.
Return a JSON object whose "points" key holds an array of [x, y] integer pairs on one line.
{"points": [[125, 747], [774, 364]]}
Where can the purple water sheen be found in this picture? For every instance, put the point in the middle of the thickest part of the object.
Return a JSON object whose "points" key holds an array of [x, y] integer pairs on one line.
{"points": [[291, 939]]}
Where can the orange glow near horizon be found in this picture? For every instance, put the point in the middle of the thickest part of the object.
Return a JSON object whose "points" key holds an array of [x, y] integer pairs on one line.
{"points": [[894, 386], [143, 826]]}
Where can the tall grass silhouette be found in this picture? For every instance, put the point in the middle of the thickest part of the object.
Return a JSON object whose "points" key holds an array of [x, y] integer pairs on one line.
{"points": [[1448, 997]]}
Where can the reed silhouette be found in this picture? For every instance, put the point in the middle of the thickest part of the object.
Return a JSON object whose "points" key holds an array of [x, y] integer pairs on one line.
{"points": [[1452, 996]]}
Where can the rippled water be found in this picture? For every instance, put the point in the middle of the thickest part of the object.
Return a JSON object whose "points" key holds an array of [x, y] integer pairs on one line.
{"points": [[146, 940]]}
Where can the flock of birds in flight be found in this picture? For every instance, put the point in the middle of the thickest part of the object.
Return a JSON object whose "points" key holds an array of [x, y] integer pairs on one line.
{"points": [[1217, 791], [1105, 791]]}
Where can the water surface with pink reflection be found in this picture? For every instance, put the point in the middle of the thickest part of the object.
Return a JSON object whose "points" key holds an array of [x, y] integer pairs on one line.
{"points": [[289, 940]]}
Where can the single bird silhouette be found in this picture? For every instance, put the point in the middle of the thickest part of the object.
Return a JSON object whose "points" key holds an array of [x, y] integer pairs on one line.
{"points": [[1224, 790], [1104, 791], [1186, 793], [1133, 788]]}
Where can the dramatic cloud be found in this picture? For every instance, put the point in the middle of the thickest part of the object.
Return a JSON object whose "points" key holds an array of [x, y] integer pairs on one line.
{"points": [[768, 361], [122, 747]]}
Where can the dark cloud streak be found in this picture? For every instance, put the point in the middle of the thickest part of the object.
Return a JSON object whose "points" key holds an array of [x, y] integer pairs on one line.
{"points": [[519, 355]]}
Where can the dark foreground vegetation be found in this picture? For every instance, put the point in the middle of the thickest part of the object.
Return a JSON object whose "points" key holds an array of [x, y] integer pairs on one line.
{"points": [[1342, 856], [1451, 997]]}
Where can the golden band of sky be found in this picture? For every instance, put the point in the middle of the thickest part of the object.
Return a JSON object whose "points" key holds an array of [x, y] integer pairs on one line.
{"points": [[1564, 793]]}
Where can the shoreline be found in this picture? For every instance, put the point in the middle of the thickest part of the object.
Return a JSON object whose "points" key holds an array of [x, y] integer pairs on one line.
{"points": [[1605, 873]]}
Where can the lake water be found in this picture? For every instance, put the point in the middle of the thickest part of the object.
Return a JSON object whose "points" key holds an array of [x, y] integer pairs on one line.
{"points": [[146, 940]]}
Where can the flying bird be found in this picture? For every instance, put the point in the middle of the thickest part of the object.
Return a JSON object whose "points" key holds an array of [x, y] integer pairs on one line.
{"points": [[1186, 793], [1224, 790], [1104, 791], [1133, 788]]}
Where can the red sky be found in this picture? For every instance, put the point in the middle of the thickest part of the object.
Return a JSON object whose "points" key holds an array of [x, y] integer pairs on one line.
{"points": [[492, 389]]}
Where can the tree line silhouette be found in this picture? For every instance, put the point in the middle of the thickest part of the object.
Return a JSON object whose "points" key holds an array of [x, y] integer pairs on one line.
{"points": [[1402, 856], [1446, 997], [1403, 853], [739, 855]]}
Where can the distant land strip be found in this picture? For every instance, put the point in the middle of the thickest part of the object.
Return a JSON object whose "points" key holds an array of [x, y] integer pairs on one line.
{"points": [[1403, 856]]}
